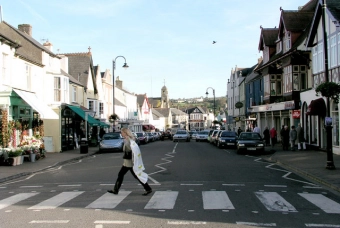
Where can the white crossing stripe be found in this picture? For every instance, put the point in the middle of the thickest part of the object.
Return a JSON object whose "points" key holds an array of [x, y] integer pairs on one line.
{"points": [[162, 200], [15, 199], [216, 200], [56, 201], [321, 201], [109, 200], [274, 202]]}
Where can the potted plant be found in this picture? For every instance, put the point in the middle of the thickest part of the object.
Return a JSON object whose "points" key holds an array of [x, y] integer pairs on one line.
{"points": [[329, 89]]}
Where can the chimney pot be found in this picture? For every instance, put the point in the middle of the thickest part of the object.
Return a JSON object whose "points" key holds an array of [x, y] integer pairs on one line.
{"points": [[26, 28]]}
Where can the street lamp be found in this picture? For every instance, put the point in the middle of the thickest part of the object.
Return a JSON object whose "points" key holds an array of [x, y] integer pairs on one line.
{"points": [[329, 148], [214, 97], [113, 79]]}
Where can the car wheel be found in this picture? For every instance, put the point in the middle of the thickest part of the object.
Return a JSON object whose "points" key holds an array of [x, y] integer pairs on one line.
{"points": [[219, 145]]}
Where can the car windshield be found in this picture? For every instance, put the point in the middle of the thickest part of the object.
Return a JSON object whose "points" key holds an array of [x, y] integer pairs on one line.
{"points": [[139, 134], [250, 136], [203, 132], [111, 136], [228, 134], [181, 132]]}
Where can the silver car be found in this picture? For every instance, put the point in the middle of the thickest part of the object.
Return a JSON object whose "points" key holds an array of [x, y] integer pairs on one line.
{"points": [[181, 135], [202, 136], [111, 142]]}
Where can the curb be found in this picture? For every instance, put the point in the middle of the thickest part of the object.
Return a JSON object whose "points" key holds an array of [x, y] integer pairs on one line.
{"points": [[16, 176], [304, 174]]}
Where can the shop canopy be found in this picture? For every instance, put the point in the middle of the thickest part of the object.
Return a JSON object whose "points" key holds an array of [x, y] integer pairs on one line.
{"points": [[32, 100], [92, 121], [104, 125], [317, 108]]}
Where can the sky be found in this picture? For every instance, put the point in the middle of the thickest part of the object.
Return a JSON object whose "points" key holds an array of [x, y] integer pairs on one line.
{"points": [[164, 42]]}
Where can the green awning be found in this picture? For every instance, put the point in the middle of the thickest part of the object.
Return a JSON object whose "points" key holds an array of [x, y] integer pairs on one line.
{"points": [[104, 125], [92, 121]]}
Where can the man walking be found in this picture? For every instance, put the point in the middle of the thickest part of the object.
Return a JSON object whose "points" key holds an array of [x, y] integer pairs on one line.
{"points": [[292, 137], [300, 138]]}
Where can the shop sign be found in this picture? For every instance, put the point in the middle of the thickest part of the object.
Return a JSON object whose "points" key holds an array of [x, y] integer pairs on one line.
{"points": [[289, 105], [296, 114]]}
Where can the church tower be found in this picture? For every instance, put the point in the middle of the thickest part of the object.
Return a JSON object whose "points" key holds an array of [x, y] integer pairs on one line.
{"points": [[164, 98]]}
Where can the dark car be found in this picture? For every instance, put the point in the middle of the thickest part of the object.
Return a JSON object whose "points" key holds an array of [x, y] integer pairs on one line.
{"points": [[250, 142], [111, 142], [142, 137], [166, 135], [226, 138]]}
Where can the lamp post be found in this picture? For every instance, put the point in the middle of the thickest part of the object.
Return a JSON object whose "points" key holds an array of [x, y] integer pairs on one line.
{"points": [[206, 93], [329, 148], [113, 80]]}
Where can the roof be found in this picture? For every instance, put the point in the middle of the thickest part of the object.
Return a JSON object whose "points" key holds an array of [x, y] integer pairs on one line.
{"points": [[177, 112], [162, 111], [294, 20], [268, 37]]}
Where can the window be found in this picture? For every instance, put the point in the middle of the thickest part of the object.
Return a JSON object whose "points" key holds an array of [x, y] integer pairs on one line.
{"points": [[333, 52], [279, 46], [91, 105], [28, 77], [339, 48], [101, 108], [266, 54], [287, 41], [315, 59], [57, 89], [65, 89], [266, 85], [275, 85], [287, 77], [74, 94], [320, 58], [335, 118]]}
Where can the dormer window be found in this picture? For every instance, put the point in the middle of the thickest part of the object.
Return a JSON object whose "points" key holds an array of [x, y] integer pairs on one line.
{"points": [[287, 41], [279, 46]]}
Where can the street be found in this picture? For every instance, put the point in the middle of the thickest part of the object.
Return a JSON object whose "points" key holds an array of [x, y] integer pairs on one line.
{"points": [[195, 184]]}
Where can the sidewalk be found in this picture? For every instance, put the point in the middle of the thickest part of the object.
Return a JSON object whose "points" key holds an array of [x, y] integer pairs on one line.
{"points": [[52, 160], [306, 163]]}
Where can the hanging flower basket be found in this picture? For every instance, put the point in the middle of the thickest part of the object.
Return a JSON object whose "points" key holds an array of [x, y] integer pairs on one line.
{"points": [[113, 118], [329, 89]]}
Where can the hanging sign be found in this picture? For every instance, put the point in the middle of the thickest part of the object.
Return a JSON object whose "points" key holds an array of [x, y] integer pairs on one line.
{"points": [[296, 114]]}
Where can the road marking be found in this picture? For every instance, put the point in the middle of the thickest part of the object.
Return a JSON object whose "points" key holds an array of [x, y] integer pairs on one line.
{"points": [[275, 186], [111, 222], [233, 184], [216, 200], [31, 186], [109, 200], [50, 221], [256, 224], [321, 225], [69, 185], [321, 201], [15, 199], [186, 223], [56, 201], [162, 200], [191, 184], [274, 202]]}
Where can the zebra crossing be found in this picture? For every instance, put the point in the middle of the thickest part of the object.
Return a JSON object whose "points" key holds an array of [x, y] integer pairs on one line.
{"points": [[166, 200]]}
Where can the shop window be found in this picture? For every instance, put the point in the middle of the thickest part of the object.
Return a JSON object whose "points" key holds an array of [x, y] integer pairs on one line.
{"points": [[335, 122]]}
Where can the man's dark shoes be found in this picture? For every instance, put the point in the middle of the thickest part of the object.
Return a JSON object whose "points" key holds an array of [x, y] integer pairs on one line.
{"points": [[112, 192], [147, 193]]}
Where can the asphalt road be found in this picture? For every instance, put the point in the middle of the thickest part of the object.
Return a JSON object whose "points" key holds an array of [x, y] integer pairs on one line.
{"points": [[195, 184]]}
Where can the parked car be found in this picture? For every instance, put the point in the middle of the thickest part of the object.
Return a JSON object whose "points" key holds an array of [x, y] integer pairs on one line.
{"points": [[250, 142], [111, 142], [156, 135], [151, 138], [192, 132], [202, 136], [181, 135], [213, 136], [143, 138], [166, 135], [194, 135], [226, 138], [209, 135], [136, 138]]}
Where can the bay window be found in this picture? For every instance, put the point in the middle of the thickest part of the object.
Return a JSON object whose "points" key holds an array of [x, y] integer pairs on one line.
{"points": [[333, 52]]}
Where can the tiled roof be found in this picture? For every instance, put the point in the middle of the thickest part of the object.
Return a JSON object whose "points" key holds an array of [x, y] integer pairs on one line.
{"points": [[163, 111], [296, 21], [79, 65], [268, 37]]}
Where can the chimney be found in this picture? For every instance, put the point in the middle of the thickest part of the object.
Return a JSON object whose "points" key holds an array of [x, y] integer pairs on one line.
{"points": [[119, 83], [259, 60], [26, 28], [48, 45]]}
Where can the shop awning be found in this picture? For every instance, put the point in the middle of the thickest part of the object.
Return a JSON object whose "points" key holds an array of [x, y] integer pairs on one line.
{"points": [[104, 125], [147, 127], [38, 105], [317, 108], [92, 121]]}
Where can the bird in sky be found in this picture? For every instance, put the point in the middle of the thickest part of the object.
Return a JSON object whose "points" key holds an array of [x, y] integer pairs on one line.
{"points": [[214, 42]]}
